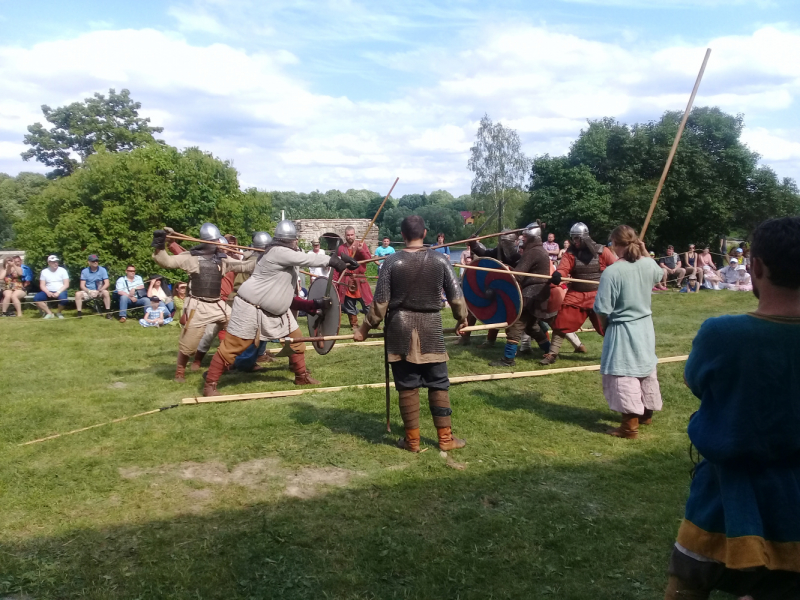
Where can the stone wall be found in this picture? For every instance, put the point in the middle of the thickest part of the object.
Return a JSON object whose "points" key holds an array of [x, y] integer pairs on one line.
{"points": [[311, 229]]}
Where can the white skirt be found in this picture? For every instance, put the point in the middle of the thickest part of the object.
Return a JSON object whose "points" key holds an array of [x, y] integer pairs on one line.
{"points": [[632, 395]]}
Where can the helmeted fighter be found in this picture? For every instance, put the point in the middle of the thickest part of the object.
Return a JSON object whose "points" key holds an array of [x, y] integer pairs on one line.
{"points": [[585, 259], [408, 296]]}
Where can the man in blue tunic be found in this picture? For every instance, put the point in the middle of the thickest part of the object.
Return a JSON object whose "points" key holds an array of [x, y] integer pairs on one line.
{"points": [[741, 531]]}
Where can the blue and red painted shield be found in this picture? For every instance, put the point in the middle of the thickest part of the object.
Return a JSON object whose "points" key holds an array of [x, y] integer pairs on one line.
{"points": [[492, 297]]}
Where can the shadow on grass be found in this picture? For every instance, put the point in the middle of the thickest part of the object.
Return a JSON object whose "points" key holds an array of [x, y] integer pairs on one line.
{"points": [[591, 419], [424, 532], [370, 426]]}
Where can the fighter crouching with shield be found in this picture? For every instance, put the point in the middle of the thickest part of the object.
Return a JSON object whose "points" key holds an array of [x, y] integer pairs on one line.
{"points": [[408, 296]]}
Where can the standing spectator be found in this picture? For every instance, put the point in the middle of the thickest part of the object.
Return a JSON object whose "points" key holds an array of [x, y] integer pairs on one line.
{"points": [[53, 285], [628, 362], [27, 274], [439, 241], [384, 249], [94, 284], [746, 258], [671, 265], [13, 289], [156, 314], [159, 288], [126, 290], [693, 264], [741, 529], [729, 278], [564, 248], [318, 271], [551, 247]]}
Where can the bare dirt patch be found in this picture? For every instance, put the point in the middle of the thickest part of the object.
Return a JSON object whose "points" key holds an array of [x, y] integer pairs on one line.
{"points": [[262, 473]]}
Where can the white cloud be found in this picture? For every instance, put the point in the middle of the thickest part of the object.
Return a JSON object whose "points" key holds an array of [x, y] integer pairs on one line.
{"points": [[258, 109], [189, 19]]}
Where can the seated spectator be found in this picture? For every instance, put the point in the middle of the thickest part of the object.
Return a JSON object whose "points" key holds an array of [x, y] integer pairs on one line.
{"points": [[728, 276], [551, 247], [126, 289], [671, 265], [156, 314], [94, 284], [161, 289], [705, 265], [690, 259], [179, 298], [53, 285], [743, 282], [13, 288], [27, 274], [692, 285]]}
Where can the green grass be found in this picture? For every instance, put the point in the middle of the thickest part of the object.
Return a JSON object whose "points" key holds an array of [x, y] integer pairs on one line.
{"points": [[306, 497]]}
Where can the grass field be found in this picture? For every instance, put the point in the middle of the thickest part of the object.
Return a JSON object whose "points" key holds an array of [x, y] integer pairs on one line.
{"points": [[306, 497]]}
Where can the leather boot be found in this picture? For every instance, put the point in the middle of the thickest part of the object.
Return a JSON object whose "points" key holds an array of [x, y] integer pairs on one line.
{"points": [[647, 417], [215, 370], [353, 321], [265, 358], [463, 340], [297, 365], [677, 589], [548, 359], [628, 429], [410, 442], [581, 349], [491, 338], [447, 441], [180, 368], [198, 360]]}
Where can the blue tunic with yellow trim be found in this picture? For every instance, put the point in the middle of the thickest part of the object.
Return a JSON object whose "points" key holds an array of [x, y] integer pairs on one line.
{"points": [[744, 503]]}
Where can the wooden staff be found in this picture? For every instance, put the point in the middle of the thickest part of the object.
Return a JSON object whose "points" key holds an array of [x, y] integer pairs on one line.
{"points": [[371, 223], [472, 239], [186, 238], [521, 274], [326, 338], [674, 145]]}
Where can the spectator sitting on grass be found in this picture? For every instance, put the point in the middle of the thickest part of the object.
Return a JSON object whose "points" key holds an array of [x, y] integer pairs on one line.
{"points": [[126, 290], [743, 281], [94, 284], [53, 285], [160, 289], [692, 285], [728, 276], [179, 298], [671, 265], [27, 274], [13, 289], [156, 314]]}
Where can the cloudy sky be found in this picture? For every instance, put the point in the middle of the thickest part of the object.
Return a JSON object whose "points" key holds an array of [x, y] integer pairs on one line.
{"points": [[303, 95]]}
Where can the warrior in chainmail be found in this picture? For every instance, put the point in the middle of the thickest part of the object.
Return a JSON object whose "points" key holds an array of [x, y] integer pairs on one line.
{"points": [[535, 296], [206, 265], [506, 253], [585, 259], [262, 305], [408, 297]]}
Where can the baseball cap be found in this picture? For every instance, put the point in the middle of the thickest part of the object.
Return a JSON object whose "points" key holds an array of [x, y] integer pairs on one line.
{"points": [[733, 260], [52, 258], [741, 268], [738, 251], [652, 254], [155, 299], [93, 258], [693, 277]]}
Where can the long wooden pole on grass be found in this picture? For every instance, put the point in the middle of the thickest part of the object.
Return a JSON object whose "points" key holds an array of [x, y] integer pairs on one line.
{"points": [[674, 145], [328, 338], [523, 274]]}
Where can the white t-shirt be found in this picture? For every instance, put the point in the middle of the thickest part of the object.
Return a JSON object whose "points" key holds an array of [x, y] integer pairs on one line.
{"points": [[54, 280], [319, 271]]}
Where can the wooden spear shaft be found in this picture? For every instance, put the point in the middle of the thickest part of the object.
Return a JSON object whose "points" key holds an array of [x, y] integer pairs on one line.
{"points": [[472, 239], [521, 274], [675, 145], [327, 338], [186, 238]]}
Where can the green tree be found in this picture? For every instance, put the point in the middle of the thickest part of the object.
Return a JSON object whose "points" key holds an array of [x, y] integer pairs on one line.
{"points": [[15, 192], [498, 164], [112, 205], [714, 186], [81, 127]]}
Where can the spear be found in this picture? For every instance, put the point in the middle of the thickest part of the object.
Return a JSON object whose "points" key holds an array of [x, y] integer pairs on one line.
{"points": [[327, 338], [521, 274]]}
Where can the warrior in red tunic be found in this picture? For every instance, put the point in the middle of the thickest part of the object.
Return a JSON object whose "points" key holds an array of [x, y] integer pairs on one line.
{"points": [[585, 259], [353, 287]]}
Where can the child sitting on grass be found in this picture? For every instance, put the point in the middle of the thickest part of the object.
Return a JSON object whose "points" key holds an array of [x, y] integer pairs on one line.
{"points": [[156, 314], [691, 285]]}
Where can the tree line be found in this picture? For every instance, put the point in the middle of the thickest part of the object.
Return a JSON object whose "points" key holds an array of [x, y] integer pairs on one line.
{"points": [[113, 182]]}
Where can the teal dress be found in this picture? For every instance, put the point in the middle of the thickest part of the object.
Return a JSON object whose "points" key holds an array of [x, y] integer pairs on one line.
{"points": [[629, 346]]}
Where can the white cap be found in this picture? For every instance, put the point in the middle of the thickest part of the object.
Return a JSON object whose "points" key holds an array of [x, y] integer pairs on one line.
{"points": [[733, 260], [52, 258], [741, 268]]}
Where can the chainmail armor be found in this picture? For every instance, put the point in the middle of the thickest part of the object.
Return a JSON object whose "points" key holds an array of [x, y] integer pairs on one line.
{"points": [[587, 266], [207, 282], [412, 284]]}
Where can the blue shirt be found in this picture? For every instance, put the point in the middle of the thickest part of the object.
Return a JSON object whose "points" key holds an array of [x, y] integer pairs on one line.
{"points": [[94, 279], [381, 251], [445, 250], [27, 273]]}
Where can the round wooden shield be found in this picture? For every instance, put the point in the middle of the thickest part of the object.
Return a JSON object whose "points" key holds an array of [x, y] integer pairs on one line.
{"points": [[492, 297], [326, 323]]}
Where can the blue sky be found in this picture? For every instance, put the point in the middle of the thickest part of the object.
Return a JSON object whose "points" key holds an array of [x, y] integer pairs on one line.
{"points": [[343, 94]]}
